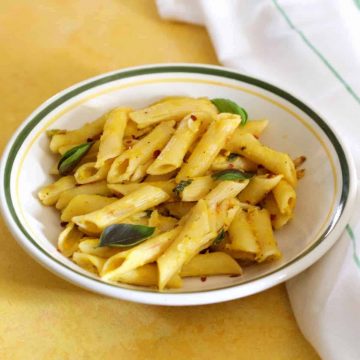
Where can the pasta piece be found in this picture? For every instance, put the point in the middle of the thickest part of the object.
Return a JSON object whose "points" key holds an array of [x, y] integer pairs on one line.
{"points": [[88, 173], [238, 162], [278, 220], [171, 157], [111, 144], [88, 262], [225, 190], [113, 263], [177, 209], [261, 225], [144, 253], [162, 223], [195, 233], [254, 127], [139, 200], [50, 194], [132, 131], [164, 177], [124, 189], [258, 187], [69, 240], [275, 161], [79, 136], [209, 146], [90, 246], [241, 236], [216, 263], [285, 197], [125, 165], [171, 109], [140, 171], [98, 188], [84, 204], [146, 275], [222, 215], [198, 188]]}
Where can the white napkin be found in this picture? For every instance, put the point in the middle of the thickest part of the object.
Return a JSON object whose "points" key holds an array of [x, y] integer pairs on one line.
{"points": [[311, 48]]}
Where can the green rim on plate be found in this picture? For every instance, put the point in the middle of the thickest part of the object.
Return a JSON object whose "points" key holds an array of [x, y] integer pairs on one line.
{"points": [[176, 69]]}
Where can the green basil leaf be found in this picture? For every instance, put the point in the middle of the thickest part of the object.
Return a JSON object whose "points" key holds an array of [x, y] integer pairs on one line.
{"points": [[181, 186], [228, 106], [232, 175], [52, 132], [220, 237], [72, 157], [232, 157], [125, 235]]}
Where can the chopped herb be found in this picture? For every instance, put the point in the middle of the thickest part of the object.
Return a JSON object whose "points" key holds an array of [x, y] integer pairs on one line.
{"points": [[179, 188], [232, 175], [219, 238], [228, 106], [72, 157], [232, 156], [125, 235]]}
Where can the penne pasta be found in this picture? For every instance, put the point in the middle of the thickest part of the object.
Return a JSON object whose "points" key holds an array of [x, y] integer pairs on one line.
{"points": [[261, 225], [241, 235], [88, 262], [71, 138], [125, 165], [171, 109], [216, 263], [90, 246], [278, 220], [69, 240], [209, 146], [144, 253], [111, 144], [124, 189], [253, 127], [195, 233], [285, 197], [171, 157], [88, 173], [161, 223], [233, 161], [84, 204], [50, 194], [135, 202], [258, 187], [275, 161], [98, 188], [198, 188], [146, 275]]}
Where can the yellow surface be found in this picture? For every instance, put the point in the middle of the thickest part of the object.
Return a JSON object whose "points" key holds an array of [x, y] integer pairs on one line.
{"points": [[45, 46]]}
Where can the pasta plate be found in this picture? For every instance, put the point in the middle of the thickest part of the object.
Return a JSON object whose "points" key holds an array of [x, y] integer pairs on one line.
{"points": [[325, 194]]}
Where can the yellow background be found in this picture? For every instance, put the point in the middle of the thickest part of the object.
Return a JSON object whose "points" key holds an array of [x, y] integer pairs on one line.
{"points": [[45, 46]]}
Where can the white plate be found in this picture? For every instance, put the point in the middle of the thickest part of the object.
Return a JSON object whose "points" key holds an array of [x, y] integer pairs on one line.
{"points": [[325, 194]]}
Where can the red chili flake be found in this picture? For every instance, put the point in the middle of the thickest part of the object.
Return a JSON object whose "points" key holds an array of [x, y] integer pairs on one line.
{"points": [[193, 117], [256, 136], [203, 278], [231, 166], [156, 153], [243, 148]]}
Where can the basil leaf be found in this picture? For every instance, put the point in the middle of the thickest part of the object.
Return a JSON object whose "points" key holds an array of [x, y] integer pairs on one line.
{"points": [[232, 157], [228, 106], [125, 235], [231, 174], [181, 186], [53, 132], [220, 237], [72, 157]]}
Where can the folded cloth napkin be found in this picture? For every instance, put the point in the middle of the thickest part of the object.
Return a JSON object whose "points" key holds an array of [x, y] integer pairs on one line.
{"points": [[311, 48]]}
